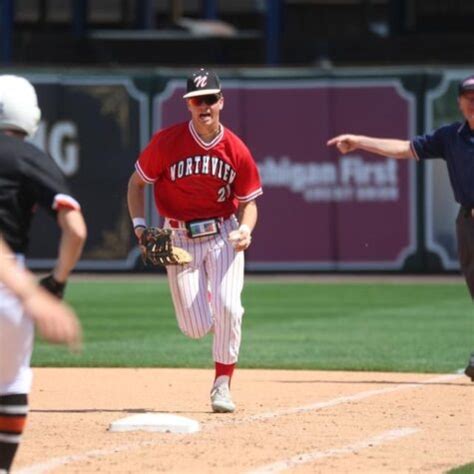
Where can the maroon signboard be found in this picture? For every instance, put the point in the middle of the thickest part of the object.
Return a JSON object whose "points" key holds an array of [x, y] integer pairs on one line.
{"points": [[320, 210], [94, 128]]}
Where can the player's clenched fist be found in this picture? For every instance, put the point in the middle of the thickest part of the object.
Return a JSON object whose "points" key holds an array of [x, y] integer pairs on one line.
{"points": [[345, 143], [240, 238], [54, 320]]}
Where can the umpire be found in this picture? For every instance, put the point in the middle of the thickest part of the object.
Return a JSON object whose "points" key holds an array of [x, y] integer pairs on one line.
{"points": [[28, 178], [454, 143]]}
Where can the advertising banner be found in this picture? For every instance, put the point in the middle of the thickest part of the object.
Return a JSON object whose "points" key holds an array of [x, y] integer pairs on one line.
{"points": [[94, 128], [319, 210]]}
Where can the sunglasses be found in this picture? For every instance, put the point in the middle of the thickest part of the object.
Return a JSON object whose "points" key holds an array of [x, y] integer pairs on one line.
{"points": [[210, 99]]}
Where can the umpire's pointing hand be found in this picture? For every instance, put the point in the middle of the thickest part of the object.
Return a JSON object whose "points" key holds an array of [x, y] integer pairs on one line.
{"points": [[345, 143]]}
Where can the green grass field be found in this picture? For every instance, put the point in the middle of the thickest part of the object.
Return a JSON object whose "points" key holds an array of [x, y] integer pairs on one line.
{"points": [[466, 469], [359, 326]]}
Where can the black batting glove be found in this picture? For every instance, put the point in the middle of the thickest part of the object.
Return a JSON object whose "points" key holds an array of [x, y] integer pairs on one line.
{"points": [[50, 284]]}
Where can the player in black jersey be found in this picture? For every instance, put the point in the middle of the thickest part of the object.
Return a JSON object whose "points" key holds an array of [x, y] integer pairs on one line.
{"points": [[28, 178]]}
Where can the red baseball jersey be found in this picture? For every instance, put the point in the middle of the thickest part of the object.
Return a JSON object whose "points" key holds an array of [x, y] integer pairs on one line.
{"points": [[195, 180]]}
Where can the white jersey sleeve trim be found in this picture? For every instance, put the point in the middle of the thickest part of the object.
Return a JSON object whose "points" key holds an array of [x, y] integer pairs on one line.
{"points": [[142, 174], [64, 201], [250, 197]]}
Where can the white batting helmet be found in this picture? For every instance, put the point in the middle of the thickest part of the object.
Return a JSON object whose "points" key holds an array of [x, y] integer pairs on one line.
{"points": [[18, 105]]}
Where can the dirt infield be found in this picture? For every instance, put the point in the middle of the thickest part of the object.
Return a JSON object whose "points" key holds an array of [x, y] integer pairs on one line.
{"points": [[292, 421]]}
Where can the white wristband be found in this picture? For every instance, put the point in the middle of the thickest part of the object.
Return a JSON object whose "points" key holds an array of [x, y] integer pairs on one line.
{"points": [[139, 222], [245, 229]]}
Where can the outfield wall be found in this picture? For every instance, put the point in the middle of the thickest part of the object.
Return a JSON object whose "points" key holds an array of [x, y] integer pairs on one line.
{"points": [[320, 211]]}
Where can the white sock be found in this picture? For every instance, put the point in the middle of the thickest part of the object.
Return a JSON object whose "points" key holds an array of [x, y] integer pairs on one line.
{"points": [[222, 379]]}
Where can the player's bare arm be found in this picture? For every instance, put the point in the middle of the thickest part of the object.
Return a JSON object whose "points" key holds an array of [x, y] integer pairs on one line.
{"points": [[247, 216], [136, 202], [394, 148], [73, 237], [11, 276], [55, 321]]}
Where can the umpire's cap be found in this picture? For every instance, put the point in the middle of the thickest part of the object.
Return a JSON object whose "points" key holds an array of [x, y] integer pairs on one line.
{"points": [[202, 82], [466, 85]]}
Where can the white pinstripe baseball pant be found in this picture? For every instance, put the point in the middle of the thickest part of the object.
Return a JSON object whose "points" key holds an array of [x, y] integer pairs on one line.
{"points": [[216, 268]]}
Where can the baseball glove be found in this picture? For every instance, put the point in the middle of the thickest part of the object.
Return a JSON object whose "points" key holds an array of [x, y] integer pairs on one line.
{"points": [[50, 284], [157, 248]]}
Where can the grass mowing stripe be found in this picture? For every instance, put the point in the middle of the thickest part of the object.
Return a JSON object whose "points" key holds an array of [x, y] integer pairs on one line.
{"points": [[349, 326]]}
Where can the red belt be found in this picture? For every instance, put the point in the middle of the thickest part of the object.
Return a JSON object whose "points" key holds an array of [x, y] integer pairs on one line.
{"points": [[175, 224]]}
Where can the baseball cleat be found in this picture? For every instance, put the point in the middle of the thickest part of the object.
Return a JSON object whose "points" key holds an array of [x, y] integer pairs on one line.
{"points": [[221, 400], [470, 372]]}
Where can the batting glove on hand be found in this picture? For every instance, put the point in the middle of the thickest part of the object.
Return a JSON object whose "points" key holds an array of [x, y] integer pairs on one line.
{"points": [[240, 238], [50, 284]]}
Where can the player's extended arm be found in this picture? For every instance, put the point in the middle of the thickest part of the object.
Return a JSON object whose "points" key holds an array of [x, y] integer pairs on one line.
{"points": [[55, 320], [247, 215], [136, 203], [16, 280], [73, 237], [381, 146]]}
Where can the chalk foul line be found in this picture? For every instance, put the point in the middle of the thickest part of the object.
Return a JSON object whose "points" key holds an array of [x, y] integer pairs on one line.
{"points": [[306, 458], [44, 467]]}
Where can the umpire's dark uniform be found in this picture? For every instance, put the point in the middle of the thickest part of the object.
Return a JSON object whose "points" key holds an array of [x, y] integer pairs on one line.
{"points": [[455, 144]]}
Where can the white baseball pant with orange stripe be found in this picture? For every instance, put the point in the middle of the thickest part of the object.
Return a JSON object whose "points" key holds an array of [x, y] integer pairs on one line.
{"points": [[16, 343], [207, 292]]}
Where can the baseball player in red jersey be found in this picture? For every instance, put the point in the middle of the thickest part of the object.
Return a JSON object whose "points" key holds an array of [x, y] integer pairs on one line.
{"points": [[205, 185]]}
